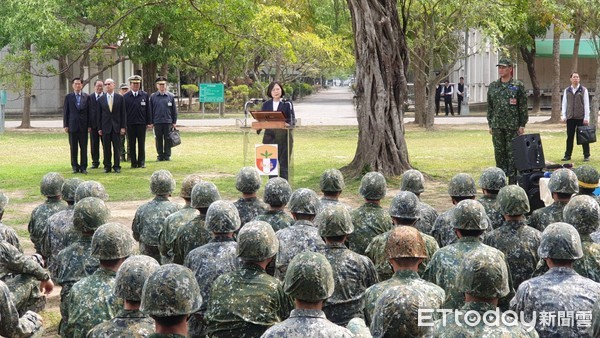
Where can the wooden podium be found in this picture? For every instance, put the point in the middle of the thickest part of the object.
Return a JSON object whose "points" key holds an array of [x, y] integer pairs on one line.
{"points": [[268, 120]]}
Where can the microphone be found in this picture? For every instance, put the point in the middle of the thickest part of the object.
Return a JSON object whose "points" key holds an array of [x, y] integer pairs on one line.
{"points": [[256, 100]]}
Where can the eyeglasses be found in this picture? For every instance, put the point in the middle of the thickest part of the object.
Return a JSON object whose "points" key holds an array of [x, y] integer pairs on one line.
{"points": [[108, 84]]}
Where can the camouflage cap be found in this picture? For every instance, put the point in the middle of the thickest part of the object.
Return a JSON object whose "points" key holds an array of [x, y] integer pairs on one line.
{"points": [[513, 200], [563, 181], [162, 182], [413, 181], [469, 215], [222, 217], [257, 241], [504, 61], [334, 220], [372, 186], [90, 189], [405, 205], [132, 275], [492, 178], [203, 194], [560, 241], [462, 185], [188, 184], [171, 290], [69, 188], [405, 242], [304, 201], [309, 277], [587, 176], [51, 184], [112, 241], [3, 201], [483, 274], [583, 213], [248, 180], [277, 191], [89, 214], [332, 180]]}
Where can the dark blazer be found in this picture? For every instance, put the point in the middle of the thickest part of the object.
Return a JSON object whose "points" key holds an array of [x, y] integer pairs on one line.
{"points": [[94, 111], [77, 119], [112, 122], [138, 108]]}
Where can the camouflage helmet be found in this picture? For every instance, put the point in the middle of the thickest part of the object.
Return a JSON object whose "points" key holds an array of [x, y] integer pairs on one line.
{"points": [[248, 180], [469, 215], [334, 220], [51, 184], [405, 205], [162, 182], [413, 181], [587, 176], [309, 277], [405, 242], [112, 241], [132, 275], [492, 178], [513, 200], [203, 194], [89, 214], [304, 201], [188, 184], [563, 181], [372, 186], [222, 217], [483, 274], [332, 180], [583, 213], [277, 191], [90, 189], [560, 241], [257, 241], [69, 188], [462, 185], [3, 201], [171, 290]]}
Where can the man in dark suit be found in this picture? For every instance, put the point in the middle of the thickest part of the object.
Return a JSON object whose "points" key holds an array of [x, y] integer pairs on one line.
{"points": [[111, 125], [447, 92], [137, 105], [76, 123], [95, 138], [460, 93]]}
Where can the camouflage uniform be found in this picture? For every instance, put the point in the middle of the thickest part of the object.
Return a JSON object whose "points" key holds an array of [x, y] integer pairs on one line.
{"points": [[492, 179], [428, 217], [248, 182], [560, 289], [10, 323], [126, 324], [51, 188], [587, 177], [277, 194], [332, 181], [278, 219], [561, 181], [594, 330], [249, 208], [413, 181], [150, 216], [583, 213], [7, 233], [506, 113], [310, 279]]}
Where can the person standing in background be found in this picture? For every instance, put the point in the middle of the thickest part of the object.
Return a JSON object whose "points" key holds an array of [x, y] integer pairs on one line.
{"points": [[111, 125], [448, 91], [95, 138], [138, 119], [164, 117], [77, 124], [460, 92], [575, 112]]}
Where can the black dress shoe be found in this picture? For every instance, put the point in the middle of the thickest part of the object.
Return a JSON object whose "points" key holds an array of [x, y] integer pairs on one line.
{"points": [[142, 165], [566, 158], [133, 165], [75, 171], [94, 166], [117, 171], [167, 159], [106, 171], [83, 171], [586, 159]]}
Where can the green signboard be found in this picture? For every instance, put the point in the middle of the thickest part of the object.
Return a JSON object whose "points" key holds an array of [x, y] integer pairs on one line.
{"points": [[2, 96], [212, 92]]}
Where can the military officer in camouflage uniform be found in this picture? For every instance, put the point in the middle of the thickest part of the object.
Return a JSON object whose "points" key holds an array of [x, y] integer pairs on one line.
{"points": [[29, 325], [469, 223], [170, 295], [484, 279], [91, 300], [518, 241], [168, 231], [332, 184], [309, 281], [404, 211], [248, 182], [129, 322], [194, 234], [587, 177], [370, 219], [7, 233], [246, 302], [215, 258], [507, 116], [561, 289], [413, 181], [150, 216], [277, 194], [491, 181], [303, 235], [405, 250], [51, 188], [562, 185]]}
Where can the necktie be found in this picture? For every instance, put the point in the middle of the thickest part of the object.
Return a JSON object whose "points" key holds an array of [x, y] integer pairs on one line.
{"points": [[135, 94], [110, 102], [78, 99]]}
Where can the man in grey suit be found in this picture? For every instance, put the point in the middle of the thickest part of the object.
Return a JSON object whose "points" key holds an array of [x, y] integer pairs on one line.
{"points": [[76, 123], [111, 125]]}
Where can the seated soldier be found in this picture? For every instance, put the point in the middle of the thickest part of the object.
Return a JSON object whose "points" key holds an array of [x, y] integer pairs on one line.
{"points": [[248, 182], [277, 194]]}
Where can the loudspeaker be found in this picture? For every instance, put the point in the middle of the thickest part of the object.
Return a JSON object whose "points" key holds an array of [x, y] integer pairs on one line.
{"points": [[530, 182], [528, 152]]}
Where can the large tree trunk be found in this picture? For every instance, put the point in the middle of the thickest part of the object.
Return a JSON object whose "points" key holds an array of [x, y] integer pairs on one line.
{"points": [[380, 88], [529, 58], [420, 86], [27, 83], [576, 43], [596, 100], [556, 100]]}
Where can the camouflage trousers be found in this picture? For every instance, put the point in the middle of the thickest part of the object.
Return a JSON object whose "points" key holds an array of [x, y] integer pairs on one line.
{"points": [[26, 293], [502, 141]]}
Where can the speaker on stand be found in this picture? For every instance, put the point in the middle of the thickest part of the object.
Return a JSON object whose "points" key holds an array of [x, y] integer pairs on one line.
{"points": [[528, 154]]}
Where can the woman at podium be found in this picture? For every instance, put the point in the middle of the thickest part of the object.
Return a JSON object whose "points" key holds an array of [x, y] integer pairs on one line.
{"points": [[280, 136]]}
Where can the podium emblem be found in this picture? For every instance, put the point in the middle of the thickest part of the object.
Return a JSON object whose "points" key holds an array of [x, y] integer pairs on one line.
{"points": [[267, 162]]}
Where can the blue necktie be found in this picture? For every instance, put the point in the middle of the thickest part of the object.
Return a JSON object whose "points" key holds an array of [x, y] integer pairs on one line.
{"points": [[78, 99]]}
